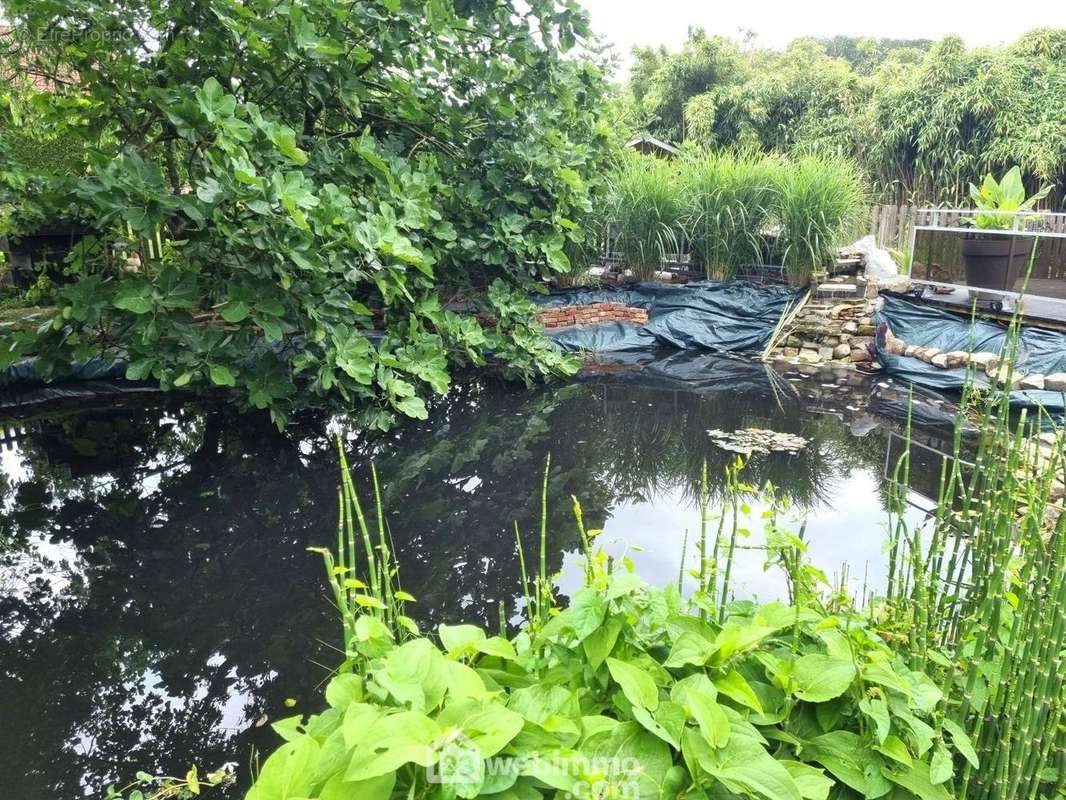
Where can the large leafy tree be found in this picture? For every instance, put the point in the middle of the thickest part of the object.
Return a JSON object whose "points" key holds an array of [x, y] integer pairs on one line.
{"points": [[269, 182]]}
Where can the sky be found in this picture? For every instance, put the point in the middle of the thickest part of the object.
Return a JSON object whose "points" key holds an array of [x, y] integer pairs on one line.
{"points": [[626, 23]]}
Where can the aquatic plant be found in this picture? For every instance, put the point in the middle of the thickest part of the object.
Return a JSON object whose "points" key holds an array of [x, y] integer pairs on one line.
{"points": [[644, 202], [629, 691], [980, 599]]}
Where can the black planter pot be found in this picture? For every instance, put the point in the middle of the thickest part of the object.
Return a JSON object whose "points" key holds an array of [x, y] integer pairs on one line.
{"points": [[995, 262]]}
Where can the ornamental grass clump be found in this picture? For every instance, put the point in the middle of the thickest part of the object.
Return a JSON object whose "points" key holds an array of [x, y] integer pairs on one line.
{"points": [[644, 209], [819, 204], [727, 199], [629, 691]]}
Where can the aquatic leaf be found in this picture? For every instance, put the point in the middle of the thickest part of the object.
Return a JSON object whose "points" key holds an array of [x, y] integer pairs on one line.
{"points": [[894, 748], [599, 644], [634, 758], [586, 612], [637, 685], [287, 773], [489, 725], [344, 689], [940, 767], [391, 741], [877, 710], [339, 788], [916, 780], [460, 640], [690, 648], [822, 678]]}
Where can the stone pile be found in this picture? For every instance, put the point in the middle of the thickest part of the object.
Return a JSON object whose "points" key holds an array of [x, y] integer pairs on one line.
{"points": [[997, 373], [835, 334], [591, 314]]}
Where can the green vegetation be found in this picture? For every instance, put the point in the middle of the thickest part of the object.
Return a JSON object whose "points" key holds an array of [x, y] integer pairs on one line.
{"points": [[999, 201], [732, 210], [947, 685], [269, 183], [922, 120], [631, 689], [644, 209]]}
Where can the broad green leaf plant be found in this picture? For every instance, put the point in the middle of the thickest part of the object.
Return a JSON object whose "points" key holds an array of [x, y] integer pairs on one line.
{"points": [[1001, 201], [629, 692], [287, 197]]}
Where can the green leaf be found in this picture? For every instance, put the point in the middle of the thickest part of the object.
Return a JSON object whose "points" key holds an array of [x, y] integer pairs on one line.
{"points": [[811, 782], [877, 710], [636, 684], [221, 375], [713, 722], [135, 297], [735, 687], [940, 767], [962, 742], [894, 748], [344, 689], [916, 780], [600, 642], [822, 678], [411, 407], [690, 648], [489, 725], [284, 138]]}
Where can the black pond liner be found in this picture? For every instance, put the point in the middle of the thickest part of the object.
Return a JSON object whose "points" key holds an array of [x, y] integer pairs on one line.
{"points": [[1039, 351], [714, 316]]}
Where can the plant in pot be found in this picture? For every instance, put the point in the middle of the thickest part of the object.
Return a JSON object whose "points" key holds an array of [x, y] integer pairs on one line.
{"points": [[994, 260]]}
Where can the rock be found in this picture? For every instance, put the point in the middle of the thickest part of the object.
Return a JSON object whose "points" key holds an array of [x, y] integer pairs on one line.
{"points": [[866, 329], [842, 351], [982, 360], [850, 327], [910, 350], [1033, 381], [790, 352], [895, 346], [1055, 382], [896, 283], [957, 358], [859, 356], [939, 360], [825, 353], [1000, 376], [809, 356], [927, 354]]}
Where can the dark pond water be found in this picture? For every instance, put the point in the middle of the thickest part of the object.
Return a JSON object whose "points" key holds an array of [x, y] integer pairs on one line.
{"points": [[157, 599]]}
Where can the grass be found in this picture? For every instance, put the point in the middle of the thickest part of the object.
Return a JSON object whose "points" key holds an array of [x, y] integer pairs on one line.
{"points": [[733, 209], [644, 207], [819, 204], [728, 200]]}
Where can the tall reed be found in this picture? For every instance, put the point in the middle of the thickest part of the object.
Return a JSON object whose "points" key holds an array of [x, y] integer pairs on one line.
{"points": [[982, 596], [644, 208], [727, 200], [819, 204]]}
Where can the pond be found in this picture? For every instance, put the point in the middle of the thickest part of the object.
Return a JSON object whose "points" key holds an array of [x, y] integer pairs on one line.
{"points": [[158, 605]]}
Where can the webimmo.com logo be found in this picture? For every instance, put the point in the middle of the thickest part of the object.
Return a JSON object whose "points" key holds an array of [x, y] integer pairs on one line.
{"points": [[459, 765]]}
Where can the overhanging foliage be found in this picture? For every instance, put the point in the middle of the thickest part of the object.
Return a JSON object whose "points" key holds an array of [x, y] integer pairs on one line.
{"points": [[290, 176]]}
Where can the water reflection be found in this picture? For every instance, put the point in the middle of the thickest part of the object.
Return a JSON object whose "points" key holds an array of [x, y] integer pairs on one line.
{"points": [[157, 600]]}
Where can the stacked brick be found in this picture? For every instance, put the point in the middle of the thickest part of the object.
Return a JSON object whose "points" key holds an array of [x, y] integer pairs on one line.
{"points": [[591, 314]]}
